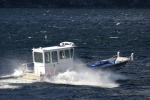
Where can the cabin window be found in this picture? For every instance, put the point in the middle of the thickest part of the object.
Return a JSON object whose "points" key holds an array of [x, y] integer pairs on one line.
{"points": [[67, 54], [47, 57], [61, 54], [38, 57], [54, 56], [71, 51]]}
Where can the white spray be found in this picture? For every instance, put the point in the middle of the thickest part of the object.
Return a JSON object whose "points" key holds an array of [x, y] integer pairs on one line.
{"points": [[86, 76]]}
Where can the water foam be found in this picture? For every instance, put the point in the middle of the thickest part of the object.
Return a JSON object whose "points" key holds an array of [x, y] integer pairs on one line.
{"points": [[18, 72], [82, 75], [13, 81], [99, 78]]}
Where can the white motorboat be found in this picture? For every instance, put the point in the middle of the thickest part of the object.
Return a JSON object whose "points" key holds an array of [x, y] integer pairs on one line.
{"points": [[49, 61]]}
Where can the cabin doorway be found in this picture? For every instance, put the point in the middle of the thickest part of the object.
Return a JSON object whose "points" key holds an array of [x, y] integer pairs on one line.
{"points": [[51, 62]]}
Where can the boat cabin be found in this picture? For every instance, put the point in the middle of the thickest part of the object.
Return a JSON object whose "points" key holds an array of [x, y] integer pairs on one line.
{"points": [[52, 60]]}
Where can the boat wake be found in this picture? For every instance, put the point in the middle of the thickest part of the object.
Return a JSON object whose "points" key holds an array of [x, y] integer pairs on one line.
{"points": [[85, 76], [98, 79], [13, 81], [81, 75]]}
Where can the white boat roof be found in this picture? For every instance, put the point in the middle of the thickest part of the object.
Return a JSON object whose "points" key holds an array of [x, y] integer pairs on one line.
{"points": [[40, 49]]}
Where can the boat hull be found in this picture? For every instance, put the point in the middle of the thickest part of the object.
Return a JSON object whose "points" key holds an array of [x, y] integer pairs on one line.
{"points": [[116, 66]]}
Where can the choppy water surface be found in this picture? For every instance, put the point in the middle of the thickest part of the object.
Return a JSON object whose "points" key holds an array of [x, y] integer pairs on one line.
{"points": [[98, 34]]}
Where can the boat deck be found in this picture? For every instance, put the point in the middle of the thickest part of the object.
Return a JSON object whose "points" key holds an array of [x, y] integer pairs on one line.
{"points": [[31, 76]]}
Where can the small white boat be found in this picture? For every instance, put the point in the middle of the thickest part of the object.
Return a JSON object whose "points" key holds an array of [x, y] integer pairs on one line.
{"points": [[113, 63], [49, 61]]}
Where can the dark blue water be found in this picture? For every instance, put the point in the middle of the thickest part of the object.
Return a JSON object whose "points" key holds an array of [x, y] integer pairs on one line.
{"points": [[93, 31]]}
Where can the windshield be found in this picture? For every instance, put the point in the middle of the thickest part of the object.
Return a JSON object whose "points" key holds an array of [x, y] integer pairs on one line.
{"points": [[38, 57]]}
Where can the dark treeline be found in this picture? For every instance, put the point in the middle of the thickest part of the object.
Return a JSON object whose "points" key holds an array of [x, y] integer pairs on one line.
{"points": [[77, 3]]}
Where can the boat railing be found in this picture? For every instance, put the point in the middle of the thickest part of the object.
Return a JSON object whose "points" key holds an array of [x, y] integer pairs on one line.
{"points": [[28, 67], [130, 57], [112, 58]]}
